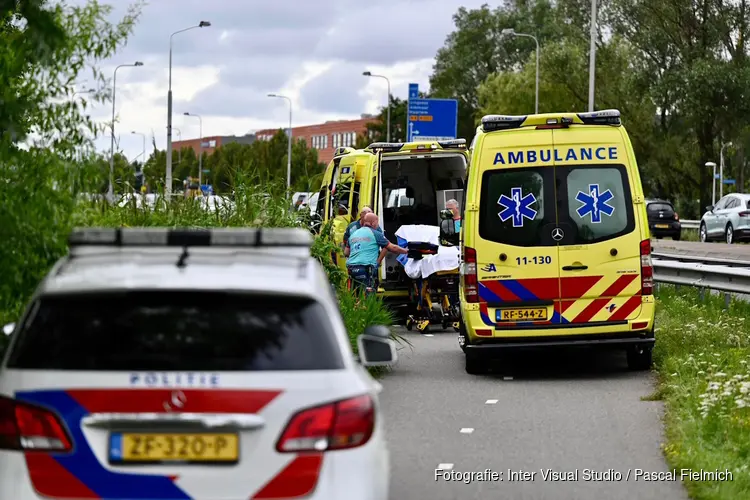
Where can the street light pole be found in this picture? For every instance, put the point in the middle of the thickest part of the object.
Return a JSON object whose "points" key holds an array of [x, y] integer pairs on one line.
{"points": [[111, 189], [200, 149], [713, 189], [87, 91], [144, 144], [179, 151], [289, 145], [168, 183], [592, 56], [511, 31], [721, 171], [388, 112]]}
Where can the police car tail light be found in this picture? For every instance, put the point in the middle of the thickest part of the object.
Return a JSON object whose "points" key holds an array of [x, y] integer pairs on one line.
{"points": [[647, 269], [469, 271], [334, 426], [29, 427]]}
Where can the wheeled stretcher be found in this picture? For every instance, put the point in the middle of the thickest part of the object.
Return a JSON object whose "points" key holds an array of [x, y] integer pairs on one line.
{"points": [[433, 271]]}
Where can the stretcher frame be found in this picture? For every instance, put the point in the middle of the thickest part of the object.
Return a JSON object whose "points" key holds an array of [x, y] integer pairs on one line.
{"points": [[434, 300]]}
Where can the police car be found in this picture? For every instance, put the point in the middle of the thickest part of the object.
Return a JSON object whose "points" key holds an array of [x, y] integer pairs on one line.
{"points": [[177, 364]]}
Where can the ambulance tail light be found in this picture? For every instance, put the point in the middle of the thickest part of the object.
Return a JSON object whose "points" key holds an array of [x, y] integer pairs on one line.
{"points": [[469, 272], [647, 269], [746, 213], [29, 427]]}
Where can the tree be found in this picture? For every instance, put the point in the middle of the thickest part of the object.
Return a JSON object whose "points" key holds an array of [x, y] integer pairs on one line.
{"points": [[477, 49], [694, 56], [44, 49], [377, 130]]}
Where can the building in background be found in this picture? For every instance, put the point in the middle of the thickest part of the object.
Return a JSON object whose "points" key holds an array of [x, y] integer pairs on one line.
{"points": [[211, 143], [325, 137]]}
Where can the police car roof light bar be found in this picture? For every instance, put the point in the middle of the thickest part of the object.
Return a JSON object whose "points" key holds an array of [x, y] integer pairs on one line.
{"points": [[181, 237]]}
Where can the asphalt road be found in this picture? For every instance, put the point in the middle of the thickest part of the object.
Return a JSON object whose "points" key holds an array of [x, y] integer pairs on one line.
{"points": [[698, 249], [541, 411]]}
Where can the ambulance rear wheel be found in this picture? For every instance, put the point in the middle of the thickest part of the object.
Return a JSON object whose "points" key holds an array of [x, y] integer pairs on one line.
{"points": [[640, 358], [476, 365]]}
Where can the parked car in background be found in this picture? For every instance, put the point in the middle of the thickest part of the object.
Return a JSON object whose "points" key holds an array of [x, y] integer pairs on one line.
{"points": [[663, 221], [301, 200], [728, 220]]}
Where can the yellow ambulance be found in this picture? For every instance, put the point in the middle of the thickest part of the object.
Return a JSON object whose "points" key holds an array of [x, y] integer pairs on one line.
{"points": [[555, 241], [404, 183]]}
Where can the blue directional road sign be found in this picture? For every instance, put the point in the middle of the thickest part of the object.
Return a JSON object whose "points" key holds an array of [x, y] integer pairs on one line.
{"points": [[413, 91], [730, 181], [432, 119]]}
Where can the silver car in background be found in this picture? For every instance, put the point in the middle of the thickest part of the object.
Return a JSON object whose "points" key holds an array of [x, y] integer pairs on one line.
{"points": [[728, 220]]}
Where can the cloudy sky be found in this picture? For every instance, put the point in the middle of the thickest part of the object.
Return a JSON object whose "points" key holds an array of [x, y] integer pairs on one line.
{"points": [[313, 51]]}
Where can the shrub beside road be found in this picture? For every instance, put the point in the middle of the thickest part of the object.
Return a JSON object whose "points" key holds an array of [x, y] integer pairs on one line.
{"points": [[37, 250], [702, 355]]}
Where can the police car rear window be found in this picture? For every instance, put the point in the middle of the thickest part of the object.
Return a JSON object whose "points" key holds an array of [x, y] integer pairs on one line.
{"points": [[180, 331]]}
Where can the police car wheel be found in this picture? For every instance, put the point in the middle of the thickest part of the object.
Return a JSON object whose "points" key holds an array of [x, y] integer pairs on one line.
{"points": [[640, 358]]}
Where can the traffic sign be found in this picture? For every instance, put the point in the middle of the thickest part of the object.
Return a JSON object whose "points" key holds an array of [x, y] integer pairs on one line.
{"points": [[730, 181], [432, 119], [413, 91]]}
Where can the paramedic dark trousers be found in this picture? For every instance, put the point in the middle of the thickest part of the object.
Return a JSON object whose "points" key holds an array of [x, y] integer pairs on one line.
{"points": [[363, 278]]}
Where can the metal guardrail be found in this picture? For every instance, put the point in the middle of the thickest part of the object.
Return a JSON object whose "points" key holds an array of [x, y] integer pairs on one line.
{"points": [[690, 224], [722, 275]]}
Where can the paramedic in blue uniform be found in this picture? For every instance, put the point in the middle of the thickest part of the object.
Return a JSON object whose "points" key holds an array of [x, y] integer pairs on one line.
{"points": [[452, 205], [367, 248]]}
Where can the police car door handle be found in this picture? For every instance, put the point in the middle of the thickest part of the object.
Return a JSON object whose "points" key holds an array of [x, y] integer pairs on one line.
{"points": [[575, 268], [177, 421]]}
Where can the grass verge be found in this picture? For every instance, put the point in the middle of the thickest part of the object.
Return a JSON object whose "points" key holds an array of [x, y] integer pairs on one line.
{"points": [[702, 355], [252, 207]]}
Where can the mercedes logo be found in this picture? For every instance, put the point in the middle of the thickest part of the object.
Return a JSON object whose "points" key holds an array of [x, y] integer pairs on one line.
{"points": [[176, 402], [557, 234]]}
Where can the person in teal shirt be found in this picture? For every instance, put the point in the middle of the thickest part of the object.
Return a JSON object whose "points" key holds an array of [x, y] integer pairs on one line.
{"points": [[357, 224], [367, 249]]}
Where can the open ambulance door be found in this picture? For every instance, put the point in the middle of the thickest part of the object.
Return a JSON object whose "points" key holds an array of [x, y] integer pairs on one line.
{"points": [[379, 206]]}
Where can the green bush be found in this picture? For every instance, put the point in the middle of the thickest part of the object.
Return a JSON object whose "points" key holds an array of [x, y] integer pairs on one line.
{"points": [[36, 244]]}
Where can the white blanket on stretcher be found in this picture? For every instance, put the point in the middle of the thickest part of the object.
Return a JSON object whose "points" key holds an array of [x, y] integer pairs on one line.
{"points": [[445, 260]]}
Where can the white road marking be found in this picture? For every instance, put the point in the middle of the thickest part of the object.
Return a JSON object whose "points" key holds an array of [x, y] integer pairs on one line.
{"points": [[467, 430], [507, 378], [428, 335], [491, 402], [445, 466]]}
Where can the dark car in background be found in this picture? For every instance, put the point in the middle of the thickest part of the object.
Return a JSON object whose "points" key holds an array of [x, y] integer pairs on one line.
{"points": [[663, 221]]}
